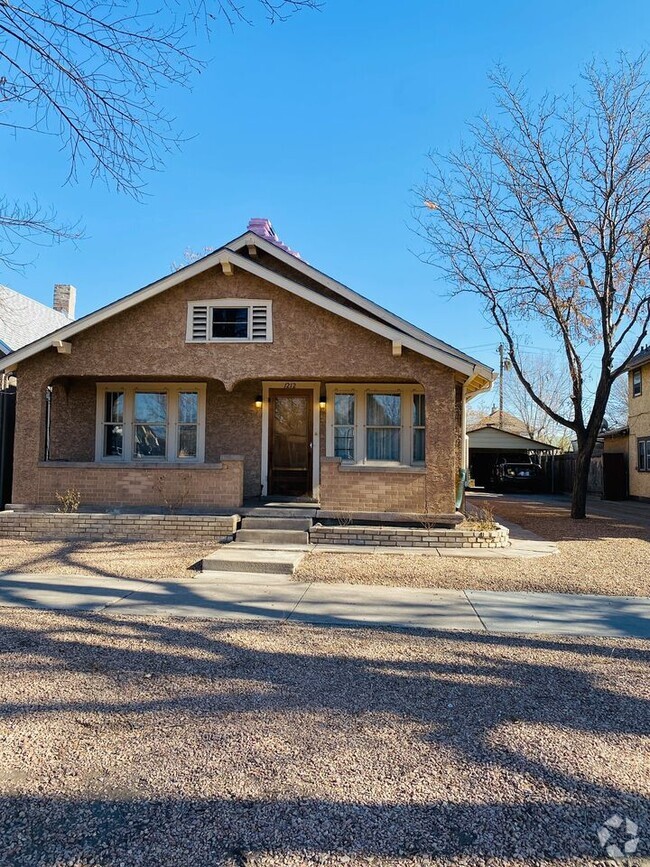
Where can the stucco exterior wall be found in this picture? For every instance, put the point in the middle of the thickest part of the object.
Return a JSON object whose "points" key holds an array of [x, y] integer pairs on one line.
{"points": [[639, 424], [148, 341]]}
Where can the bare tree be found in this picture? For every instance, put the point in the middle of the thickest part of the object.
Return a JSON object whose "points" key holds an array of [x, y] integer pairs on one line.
{"points": [[89, 75], [548, 380], [618, 405], [545, 216], [190, 256]]}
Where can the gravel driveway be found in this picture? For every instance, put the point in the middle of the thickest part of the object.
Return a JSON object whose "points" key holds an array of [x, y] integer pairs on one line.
{"points": [[160, 742], [601, 555]]}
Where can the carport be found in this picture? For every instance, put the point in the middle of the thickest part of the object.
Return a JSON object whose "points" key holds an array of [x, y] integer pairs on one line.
{"points": [[488, 443]]}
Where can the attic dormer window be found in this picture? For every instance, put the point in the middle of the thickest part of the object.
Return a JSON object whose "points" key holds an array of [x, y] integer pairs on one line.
{"points": [[229, 320]]}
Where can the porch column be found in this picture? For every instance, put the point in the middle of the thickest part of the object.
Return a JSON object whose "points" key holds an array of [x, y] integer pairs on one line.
{"points": [[29, 443], [441, 442]]}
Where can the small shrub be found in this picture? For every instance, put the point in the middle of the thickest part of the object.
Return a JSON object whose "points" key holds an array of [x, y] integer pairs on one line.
{"points": [[343, 519], [69, 501], [480, 518], [429, 521]]}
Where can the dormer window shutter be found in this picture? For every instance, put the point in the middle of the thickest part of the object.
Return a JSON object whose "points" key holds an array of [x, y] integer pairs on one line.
{"points": [[259, 322], [199, 323]]}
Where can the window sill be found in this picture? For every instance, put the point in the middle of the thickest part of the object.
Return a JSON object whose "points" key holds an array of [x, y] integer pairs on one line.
{"points": [[379, 467], [130, 465]]}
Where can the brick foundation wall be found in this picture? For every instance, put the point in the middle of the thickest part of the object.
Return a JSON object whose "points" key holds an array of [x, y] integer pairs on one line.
{"points": [[202, 486], [404, 537], [107, 527], [365, 489]]}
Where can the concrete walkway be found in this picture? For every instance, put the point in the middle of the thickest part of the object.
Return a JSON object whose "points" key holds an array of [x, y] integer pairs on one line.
{"points": [[240, 596]]}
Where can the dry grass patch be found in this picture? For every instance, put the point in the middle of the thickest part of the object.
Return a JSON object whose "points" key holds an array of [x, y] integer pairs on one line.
{"points": [[166, 560]]}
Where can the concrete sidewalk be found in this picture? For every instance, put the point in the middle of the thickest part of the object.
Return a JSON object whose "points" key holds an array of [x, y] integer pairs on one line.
{"points": [[240, 596]]}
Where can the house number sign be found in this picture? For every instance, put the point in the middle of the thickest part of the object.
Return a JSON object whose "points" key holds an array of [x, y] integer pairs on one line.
{"points": [[290, 385]]}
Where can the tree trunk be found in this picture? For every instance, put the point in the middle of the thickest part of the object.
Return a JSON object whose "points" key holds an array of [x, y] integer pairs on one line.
{"points": [[580, 483], [586, 447]]}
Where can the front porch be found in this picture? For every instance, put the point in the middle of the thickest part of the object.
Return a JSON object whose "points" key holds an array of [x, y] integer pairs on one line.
{"points": [[362, 447]]}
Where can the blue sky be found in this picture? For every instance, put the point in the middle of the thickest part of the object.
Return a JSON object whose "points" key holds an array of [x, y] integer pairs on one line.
{"points": [[321, 123]]}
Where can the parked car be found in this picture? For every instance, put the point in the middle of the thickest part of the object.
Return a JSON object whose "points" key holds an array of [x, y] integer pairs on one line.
{"points": [[518, 472]]}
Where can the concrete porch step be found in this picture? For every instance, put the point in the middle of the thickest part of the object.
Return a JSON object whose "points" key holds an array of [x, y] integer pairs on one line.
{"points": [[309, 511], [275, 537], [276, 562], [256, 523]]}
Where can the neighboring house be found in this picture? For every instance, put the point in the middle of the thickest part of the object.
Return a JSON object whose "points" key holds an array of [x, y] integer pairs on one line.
{"points": [[639, 424], [488, 442], [23, 320], [616, 463], [247, 373], [509, 423]]}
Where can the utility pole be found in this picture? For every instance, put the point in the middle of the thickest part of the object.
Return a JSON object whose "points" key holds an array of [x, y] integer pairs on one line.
{"points": [[502, 367]]}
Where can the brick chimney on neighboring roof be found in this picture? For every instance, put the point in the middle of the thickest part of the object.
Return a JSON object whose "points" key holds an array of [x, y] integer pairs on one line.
{"points": [[65, 297], [262, 227]]}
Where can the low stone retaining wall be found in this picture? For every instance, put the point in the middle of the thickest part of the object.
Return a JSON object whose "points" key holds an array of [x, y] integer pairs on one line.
{"points": [[405, 537], [103, 526]]}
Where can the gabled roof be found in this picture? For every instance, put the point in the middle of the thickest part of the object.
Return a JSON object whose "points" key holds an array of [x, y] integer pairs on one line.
{"points": [[511, 440], [289, 258], [364, 312], [511, 423], [23, 320], [642, 357]]}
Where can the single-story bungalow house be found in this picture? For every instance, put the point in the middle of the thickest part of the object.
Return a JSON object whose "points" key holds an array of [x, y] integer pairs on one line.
{"points": [[247, 374]]}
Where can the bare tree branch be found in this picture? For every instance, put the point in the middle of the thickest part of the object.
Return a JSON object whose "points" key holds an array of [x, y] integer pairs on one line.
{"points": [[91, 74]]}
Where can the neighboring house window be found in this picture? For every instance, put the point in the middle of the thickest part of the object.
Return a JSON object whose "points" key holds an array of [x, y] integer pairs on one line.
{"points": [[229, 320], [374, 425], [643, 452], [636, 382], [142, 422]]}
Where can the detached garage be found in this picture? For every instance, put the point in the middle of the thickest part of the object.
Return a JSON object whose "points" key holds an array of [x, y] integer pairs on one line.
{"points": [[489, 443]]}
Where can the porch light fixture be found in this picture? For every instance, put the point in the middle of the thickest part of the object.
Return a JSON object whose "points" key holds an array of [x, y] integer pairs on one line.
{"points": [[258, 401], [322, 401]]}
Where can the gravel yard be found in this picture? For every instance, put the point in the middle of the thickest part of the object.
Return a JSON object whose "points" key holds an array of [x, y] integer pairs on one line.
{"points": [[597, 555], [165, 560], [157, 742]]}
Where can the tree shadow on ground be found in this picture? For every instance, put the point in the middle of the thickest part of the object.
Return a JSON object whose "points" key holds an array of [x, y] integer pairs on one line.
{"points": [[448, 694], [70, 555]]}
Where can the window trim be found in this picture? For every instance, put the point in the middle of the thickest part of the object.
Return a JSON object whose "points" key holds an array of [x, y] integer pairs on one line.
{"points": [[645, 442], [636, 370], [216, 303], [360, 391], [172, 389]]}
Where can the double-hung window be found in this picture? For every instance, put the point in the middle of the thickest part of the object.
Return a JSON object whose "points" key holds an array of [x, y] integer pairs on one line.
{"points": [[417, 455], [643, 455], [141, 422], [383, 427], [344, 430], [150, 423], [112, 431], [637, 384], [375, 425]]}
